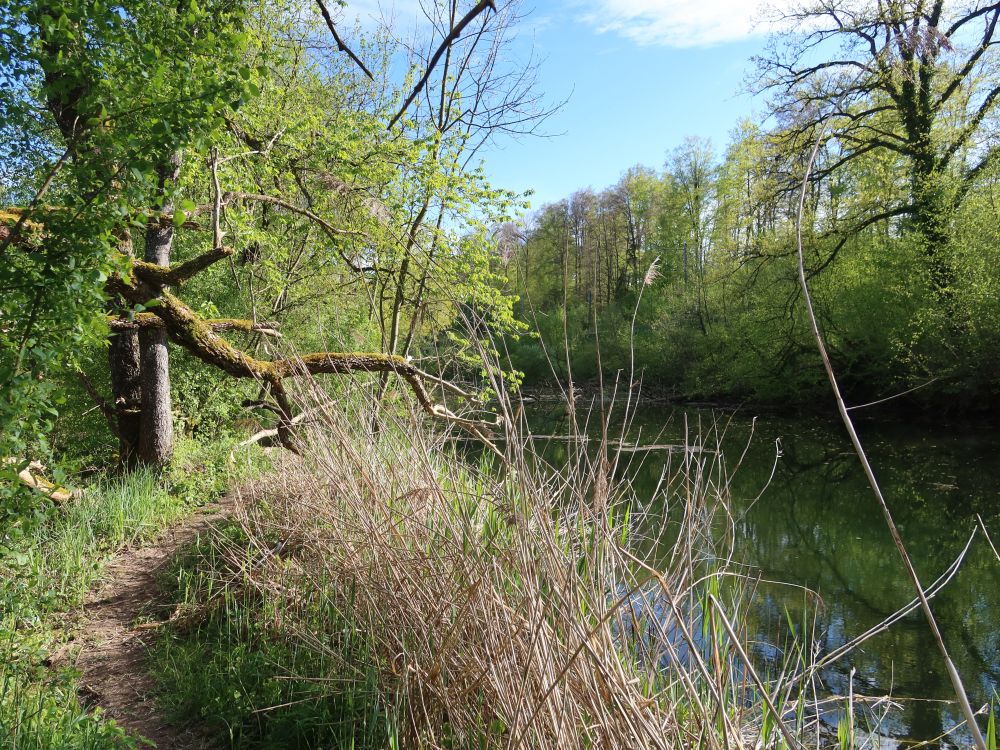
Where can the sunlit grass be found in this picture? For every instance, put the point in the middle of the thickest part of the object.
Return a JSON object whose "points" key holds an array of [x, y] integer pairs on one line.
{"points": [[47, 576]]}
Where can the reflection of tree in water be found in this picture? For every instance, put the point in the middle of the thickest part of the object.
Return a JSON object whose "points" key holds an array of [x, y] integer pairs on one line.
{"points": [[817, 525], [820, 527]]}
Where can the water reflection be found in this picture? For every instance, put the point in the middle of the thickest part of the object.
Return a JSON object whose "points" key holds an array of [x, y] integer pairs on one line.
{"points": [[817, 526]]}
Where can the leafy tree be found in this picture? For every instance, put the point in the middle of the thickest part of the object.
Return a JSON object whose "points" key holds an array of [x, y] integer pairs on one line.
{"points": [[913, 80], [141, 131], [97, 98]]}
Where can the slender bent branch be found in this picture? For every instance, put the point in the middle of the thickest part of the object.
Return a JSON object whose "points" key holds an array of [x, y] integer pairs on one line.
{"points": [[455, 32], [102, 403], [327, 226], [853, 232], [340, 42], [332, 231], [953, 675]]}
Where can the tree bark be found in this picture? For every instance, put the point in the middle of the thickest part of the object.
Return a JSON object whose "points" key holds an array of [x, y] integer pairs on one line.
{"points": [[156, 437], [126, 389], [931, 212]]}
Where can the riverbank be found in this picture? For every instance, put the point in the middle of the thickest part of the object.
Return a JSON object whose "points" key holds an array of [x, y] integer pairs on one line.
{"points": [[397, 591], [392, 590]]}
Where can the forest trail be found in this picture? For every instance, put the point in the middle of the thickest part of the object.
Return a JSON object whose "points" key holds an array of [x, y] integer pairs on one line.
{"points": [[113, 645]]}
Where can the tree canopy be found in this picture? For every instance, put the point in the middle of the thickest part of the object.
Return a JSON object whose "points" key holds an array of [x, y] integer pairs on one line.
{"points": [[166, 165]]}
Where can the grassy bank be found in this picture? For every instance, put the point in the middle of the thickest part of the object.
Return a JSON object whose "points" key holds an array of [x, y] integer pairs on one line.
{"points": [[382, 590], [46, 574], [393, 588]]}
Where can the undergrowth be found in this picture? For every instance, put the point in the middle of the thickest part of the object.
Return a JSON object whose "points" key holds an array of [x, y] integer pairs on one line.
{"points": [[382, 590], [45, 575]]}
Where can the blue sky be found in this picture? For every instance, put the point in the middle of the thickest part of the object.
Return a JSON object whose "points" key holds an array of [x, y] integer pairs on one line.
{"points": [[640, 76]]}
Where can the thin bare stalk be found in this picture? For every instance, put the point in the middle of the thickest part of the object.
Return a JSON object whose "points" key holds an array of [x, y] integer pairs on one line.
{"points": [[953, 675]]}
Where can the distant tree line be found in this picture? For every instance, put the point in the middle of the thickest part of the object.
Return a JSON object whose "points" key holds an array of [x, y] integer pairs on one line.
{"points": [[900, 228]]}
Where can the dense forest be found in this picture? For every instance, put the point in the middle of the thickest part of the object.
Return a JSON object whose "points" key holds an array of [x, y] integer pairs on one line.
{"points": [[266, 472], [900, 228]]}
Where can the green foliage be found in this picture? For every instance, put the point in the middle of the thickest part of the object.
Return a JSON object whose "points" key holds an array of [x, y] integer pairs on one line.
{"points": [[96, 97], [723, 318], [39, 711], [233, 674]]}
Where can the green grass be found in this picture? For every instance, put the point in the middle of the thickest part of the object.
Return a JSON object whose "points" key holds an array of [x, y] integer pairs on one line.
{"points": [[251, 686], [46, 576]]}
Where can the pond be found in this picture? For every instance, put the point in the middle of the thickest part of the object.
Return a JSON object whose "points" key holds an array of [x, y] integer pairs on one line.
{"points": [[806, 517]]}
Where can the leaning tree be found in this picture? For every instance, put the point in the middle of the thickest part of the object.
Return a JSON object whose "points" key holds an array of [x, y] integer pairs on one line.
{"points": [[913, 81], [105, 102]]}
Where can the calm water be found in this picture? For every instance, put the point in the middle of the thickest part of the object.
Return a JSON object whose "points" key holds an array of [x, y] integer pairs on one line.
{"points": [[817, 525]]}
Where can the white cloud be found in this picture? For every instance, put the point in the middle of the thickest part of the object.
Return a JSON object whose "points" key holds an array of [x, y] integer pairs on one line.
{"points": [[679, 23]]}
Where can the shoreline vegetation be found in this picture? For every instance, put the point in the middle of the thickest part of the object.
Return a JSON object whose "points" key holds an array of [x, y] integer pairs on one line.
{"points": [[247, 248], [383, 589]]}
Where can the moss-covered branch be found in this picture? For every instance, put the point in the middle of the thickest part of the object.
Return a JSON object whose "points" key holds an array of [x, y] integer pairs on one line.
{"points": [[16, 228], [200, 336], [174, 275], [196, 335], [146, 321]]}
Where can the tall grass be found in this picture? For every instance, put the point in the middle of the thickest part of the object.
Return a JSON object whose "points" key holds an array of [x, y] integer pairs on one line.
{"points": [[400, 593], [45, 578]]}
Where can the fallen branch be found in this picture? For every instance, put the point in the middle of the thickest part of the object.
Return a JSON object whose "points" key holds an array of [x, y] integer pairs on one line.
{"points": [[31, 476], [271, 433]]}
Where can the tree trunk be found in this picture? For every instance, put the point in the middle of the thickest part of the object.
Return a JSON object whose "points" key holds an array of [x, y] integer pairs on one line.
{"points": [[931, 210], [156, 438], [126, 389]]}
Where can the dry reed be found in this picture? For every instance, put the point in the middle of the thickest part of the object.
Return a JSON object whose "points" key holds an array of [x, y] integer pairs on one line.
{"points": [[503, 603]]}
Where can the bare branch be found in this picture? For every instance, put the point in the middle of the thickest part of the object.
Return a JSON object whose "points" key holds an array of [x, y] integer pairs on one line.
{"points": [[102, 403], [216, 201], [340, 42], [332, 231], [454, 34]]}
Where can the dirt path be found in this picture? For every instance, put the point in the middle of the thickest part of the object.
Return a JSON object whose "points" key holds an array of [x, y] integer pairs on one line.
{"points": [[112, 650]]}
